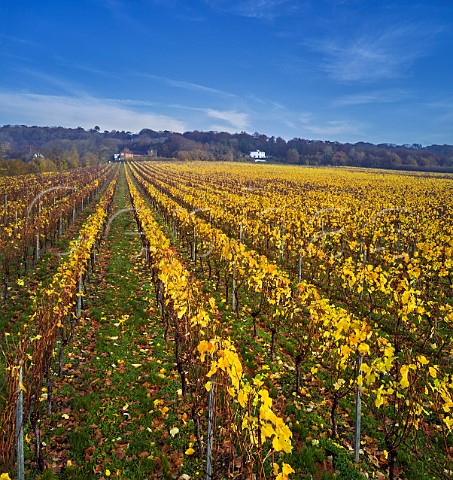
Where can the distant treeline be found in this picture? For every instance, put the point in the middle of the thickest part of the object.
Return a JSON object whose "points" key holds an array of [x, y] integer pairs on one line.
{"points": [[26, 149]]}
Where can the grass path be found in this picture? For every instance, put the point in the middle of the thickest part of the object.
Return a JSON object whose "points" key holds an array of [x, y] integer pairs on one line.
{"points": [[118, 397]]}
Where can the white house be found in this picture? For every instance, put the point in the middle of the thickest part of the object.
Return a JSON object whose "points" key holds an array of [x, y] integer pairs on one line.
{"points": [[258, 154]]}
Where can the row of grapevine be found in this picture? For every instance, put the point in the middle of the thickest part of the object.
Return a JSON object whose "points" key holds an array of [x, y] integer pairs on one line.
{"points": [[30, 357], [246, 431], [323, 241], [35, 212], [406, 373], [366, 288]]}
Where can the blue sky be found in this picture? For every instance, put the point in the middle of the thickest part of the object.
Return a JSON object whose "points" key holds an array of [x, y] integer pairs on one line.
{"points": [[340, 70]]}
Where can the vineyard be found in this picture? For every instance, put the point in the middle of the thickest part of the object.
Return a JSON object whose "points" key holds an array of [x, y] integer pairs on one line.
{"points": [[221, 320]]}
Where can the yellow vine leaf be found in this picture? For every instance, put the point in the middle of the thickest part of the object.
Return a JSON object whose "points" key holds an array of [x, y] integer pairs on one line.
{"points": [[449, 422], [379, 400], [405, 297], [267, 430], [242, 398], [286, 471], [404, 382], [364, 349], [422, 359]]}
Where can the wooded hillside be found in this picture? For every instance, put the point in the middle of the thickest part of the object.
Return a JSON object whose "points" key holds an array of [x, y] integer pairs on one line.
{"points": [[26, 149]]}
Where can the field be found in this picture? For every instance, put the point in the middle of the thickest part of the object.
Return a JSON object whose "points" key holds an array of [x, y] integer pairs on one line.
{"points": [[222, 320]]}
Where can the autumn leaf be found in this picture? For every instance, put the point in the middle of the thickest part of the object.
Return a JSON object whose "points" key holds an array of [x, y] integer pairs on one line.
{"points": [[404, 382]]}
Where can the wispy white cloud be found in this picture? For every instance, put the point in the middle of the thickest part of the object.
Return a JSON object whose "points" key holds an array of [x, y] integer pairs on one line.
{"points": [[259, 9], [290, 122], [115, 7], [17, 40], [55, 82], [442, 103], [171, 82], [63, 62], [194, 86], [333, 128], [376, 56], [441, 113], [239, 120], [114, 113], [306, 124], [32, 109], [121, 12], [378, 96]]}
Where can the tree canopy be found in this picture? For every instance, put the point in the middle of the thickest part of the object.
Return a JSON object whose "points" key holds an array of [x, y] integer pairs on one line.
{"points": [[67, 148]]}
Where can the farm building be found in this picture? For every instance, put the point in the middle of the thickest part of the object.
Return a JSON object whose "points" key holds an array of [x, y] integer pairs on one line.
{"points": [[257, 154]]}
